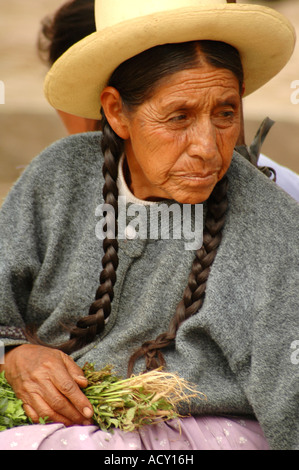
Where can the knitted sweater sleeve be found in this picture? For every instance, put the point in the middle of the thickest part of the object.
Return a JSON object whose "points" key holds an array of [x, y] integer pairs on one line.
{"points": [[41, 221], [20, 257]]}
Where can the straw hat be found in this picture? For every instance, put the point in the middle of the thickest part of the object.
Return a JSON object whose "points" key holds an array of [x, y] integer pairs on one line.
{"points": [[264, 38]]}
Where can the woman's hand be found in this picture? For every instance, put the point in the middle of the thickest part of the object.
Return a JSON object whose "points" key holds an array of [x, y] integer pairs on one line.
{"points": [[48, 382]]}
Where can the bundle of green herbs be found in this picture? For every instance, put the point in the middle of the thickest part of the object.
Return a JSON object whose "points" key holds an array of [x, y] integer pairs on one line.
{"points": [[140, 400], [126, 404], [11, 409]]}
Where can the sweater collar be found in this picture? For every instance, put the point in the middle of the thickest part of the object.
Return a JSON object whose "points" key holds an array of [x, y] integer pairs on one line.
{"points": [[123, 189]]}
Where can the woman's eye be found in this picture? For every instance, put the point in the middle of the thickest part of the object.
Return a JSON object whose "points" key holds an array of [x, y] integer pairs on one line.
{"points": [[224, 118], [180, 117], [227, 114]]}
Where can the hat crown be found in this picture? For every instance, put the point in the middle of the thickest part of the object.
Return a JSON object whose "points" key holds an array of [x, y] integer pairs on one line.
{"points": [[109, 13], [127, 28]]}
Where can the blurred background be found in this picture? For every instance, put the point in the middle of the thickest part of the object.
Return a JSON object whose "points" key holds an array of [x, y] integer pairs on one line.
{"points": [[28, 124]]}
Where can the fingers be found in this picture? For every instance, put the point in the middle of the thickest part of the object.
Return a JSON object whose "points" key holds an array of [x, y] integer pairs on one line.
{"points": [[31, 413], [44, 414], [74, 370], [71, 389], [71, 395], [47, 415], [81, 381], [55, 406], [48, 382]]}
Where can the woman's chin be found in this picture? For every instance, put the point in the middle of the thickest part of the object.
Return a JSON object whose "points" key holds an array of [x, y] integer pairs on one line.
{"points": [[193, 197]]}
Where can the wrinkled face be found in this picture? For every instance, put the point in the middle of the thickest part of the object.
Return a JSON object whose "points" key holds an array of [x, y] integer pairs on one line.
{"points": [[180, 141]]}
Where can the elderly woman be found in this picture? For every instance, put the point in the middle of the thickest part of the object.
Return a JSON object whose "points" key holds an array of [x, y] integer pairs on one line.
{"points": [[168, 78]]}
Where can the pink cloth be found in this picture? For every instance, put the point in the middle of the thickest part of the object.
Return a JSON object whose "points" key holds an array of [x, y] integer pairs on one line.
{"points": [[193, 433]]}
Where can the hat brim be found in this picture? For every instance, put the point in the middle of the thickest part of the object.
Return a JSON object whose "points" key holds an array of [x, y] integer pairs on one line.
{"points": [[264, 38]]}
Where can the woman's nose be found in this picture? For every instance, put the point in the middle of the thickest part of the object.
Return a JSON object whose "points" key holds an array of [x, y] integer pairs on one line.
{"points": [[202, 140]]}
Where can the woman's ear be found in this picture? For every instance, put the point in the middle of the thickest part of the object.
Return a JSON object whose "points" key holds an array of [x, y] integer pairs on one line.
{"points": [[113, 108], [243, 90]]}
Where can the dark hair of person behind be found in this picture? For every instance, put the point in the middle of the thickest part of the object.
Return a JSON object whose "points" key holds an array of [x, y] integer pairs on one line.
{"points": [[136, 80], [71, 23]]}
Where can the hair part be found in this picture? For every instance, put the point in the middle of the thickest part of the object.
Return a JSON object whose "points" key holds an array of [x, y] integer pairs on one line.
{"points": [[137, 78]]}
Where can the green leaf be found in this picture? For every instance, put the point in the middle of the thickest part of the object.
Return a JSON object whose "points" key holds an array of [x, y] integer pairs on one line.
{"points": [[130, 415]]}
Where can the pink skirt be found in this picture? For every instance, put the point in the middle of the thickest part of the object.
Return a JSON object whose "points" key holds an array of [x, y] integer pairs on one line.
{"points": [[188, 434]]}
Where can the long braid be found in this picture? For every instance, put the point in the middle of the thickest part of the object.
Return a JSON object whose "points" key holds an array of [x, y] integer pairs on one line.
{"points": [[112, 147], [193, 296], [99, 311]]}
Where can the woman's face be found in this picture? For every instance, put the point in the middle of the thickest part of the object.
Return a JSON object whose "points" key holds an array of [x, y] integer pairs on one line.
{"points": [[179, 143]]}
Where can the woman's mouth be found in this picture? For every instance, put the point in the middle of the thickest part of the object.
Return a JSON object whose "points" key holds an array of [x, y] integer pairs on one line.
{"points": [[199, 178]]}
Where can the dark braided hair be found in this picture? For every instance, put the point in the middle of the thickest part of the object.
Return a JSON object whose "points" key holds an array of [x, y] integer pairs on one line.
{"points": [[90, 326], [136, 80]]}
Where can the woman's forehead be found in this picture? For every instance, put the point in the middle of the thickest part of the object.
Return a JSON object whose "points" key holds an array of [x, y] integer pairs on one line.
{"points": [[191, 82]]}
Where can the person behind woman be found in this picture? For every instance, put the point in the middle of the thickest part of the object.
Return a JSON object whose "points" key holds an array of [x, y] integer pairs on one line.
{"points": [[223, 315], [73, 21]]}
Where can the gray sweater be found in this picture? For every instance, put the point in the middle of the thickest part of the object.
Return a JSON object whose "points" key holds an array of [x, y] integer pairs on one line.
{"points": [[237, 348]]}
